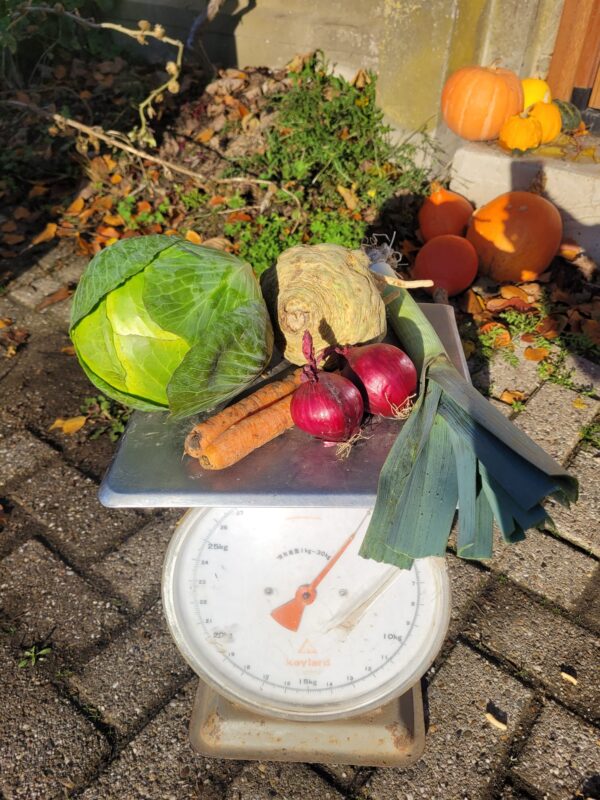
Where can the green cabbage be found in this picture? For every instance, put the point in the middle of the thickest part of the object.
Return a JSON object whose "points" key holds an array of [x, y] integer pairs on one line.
{"points": [[159, 323]]}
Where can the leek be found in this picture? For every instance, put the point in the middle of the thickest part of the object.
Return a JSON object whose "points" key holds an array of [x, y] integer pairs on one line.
{"points": [[455, 449]]}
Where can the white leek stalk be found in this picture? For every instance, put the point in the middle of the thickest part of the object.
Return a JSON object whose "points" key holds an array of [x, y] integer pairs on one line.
{"points": [[454, 449]]}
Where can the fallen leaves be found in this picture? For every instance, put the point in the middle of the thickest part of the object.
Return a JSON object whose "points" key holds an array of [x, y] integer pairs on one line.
{"points": [[348, 196], [510, 396], [500, 335], [12, 339], [68, 426], [536, 353], [46, 235], [62, 293]]}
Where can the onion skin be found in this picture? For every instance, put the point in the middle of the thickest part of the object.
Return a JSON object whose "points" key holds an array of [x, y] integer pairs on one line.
{"points": [[385, 375], [330, 407]]}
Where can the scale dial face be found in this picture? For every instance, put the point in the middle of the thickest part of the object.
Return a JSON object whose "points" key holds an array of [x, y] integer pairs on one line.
{"points": [[275, 609]]}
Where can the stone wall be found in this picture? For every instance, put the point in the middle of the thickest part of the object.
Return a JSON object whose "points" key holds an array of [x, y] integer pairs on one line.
{"points": [[412, 44]]}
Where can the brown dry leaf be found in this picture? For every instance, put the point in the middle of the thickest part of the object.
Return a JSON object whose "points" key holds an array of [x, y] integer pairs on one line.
{"points": [[68, 426], [116, 179], [218, 243], [193, 237], [21, 212], [60, 72], [48, 233], [361, 79], [9, 226], [551, 327], [242, 110], [569, 249], [497, 723], [68, 350], [502, 335], [468, 348], [37, 191], [551, 151], [13, 238], [102, 204], [532, 290], [239, 216], [497, 305], [348, 196], [5, 322], [56, 297], [205, 135], [85, 94], [143, 207], [76, 207], [508, 292], [108, 232], [528, 338], [171, 232], [472, 303], [579, 403], [113, 219], [217, 200], [591, 328], [536, 353], [510, 397]]}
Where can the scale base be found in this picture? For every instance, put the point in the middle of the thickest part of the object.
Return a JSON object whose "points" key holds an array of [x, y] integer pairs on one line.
{"points": [[390, 736]]}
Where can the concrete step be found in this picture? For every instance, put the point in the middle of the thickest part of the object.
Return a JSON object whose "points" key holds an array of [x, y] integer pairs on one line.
{"points": [[481, 171]]}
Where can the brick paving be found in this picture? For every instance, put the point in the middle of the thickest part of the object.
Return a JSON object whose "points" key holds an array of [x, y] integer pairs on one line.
{"points": [[105, 715]]}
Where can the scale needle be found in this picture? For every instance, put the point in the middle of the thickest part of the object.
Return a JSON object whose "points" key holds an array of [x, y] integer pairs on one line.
{"points": [[289, 615]]}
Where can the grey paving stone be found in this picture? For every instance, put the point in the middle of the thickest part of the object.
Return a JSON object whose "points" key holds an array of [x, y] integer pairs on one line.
{"points": [[502, 374], [554, 418], [581, 522], [560, 760], [466, 582], [67, 504], [16, 526], [159, 764], [46, 384], [269, 781], [20, 454], [547, 566], [134, 676], [588, 608], [463, 750], [43, 597], [47, 749], [584, 373], [540, 643], [133, 571], [510, 792], [503, 408]]}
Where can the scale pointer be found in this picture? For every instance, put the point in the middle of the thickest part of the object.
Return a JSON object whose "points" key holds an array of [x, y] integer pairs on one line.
{"points": [[289, 615]]}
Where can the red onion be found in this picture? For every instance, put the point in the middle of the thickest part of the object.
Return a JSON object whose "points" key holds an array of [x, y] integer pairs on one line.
{"points": [[326, 405], [384, 373]]}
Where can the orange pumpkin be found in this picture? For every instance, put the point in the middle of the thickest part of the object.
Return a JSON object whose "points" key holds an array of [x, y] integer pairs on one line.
{"points": [[476, 101], [519, 134], [449, 261], [516, 236], [548, 115], [444, 212]]}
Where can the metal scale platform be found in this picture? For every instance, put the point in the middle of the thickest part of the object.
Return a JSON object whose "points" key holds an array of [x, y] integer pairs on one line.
{"points": [[287, 671]]}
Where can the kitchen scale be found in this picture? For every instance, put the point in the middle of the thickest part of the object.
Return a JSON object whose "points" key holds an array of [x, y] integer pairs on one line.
{"points": [[305, 651]]}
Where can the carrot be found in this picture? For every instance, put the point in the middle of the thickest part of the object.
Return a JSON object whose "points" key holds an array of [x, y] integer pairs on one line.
{"points": [[248, 434], [206, 432]]}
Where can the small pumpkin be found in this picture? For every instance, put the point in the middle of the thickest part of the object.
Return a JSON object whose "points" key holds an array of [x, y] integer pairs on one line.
{"points": [[535, 90], [443, 212], [516, 236], [449, 261], [476, 101], [549, 118], [520, 134], [569, 114]]}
